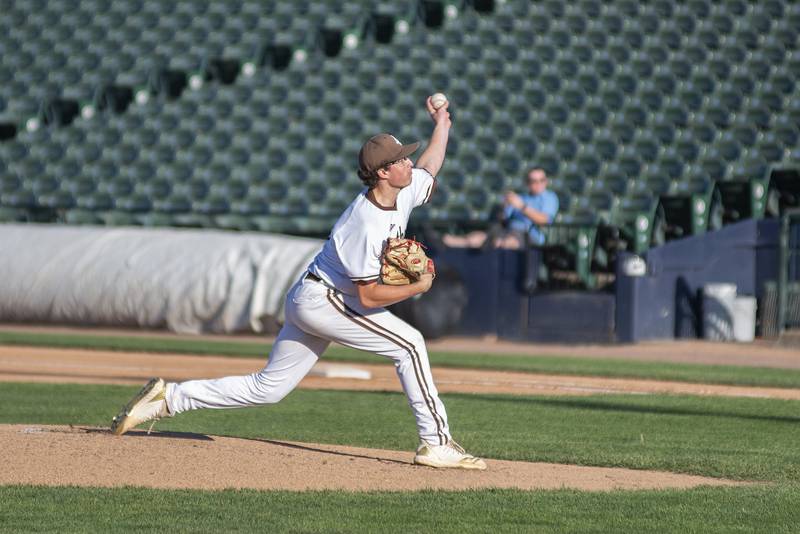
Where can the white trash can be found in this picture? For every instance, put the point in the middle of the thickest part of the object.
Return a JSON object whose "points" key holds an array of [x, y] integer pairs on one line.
{"points": [[744, 319], [719, 302]]}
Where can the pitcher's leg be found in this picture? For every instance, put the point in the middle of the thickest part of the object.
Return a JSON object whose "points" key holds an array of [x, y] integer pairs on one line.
{"points": [[380, 332], [414, 370], [292, 357]]}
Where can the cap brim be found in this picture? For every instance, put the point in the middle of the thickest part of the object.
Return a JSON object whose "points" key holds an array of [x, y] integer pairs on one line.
{"points": [[407, 150]]}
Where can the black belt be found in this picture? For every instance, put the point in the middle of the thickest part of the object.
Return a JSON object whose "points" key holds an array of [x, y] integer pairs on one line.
{"points": [[313, 277]]}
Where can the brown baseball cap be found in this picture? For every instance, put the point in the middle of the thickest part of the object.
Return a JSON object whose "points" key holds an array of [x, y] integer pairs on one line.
{"points": [[382, 149]]}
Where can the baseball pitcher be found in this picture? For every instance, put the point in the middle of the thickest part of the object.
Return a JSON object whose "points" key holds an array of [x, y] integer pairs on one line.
{"points": [[342, 298]]}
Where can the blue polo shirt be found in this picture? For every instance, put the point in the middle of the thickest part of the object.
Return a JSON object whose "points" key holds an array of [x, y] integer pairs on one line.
{"points": [[547, 203]]}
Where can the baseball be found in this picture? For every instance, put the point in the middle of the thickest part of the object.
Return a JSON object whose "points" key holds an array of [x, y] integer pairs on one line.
{"points": [[438, 100]]}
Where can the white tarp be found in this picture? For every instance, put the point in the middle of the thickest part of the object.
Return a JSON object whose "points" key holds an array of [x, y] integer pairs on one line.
{"points": [[189, 281]]}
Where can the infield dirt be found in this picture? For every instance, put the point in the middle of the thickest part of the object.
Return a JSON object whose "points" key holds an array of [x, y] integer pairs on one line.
{"points": [[84, 456], [38, 364]]}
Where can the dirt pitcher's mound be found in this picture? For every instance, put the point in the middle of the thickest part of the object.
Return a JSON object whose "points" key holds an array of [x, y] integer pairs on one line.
{"points": [[60, 455]]}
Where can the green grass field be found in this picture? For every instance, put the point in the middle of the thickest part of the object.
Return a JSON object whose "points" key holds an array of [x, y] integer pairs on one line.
{"points": [[745, 439], [557, 365], [770, 509]]}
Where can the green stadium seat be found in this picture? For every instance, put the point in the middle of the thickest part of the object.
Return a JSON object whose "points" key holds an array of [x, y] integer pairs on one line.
{"points": [[612, 98], [633, 33], [588, 80], [570, 178], [638, 223], [669, 35], [588, 162], [565, 147], [675, 113], [742, 82], [20, 198], [770, 96], [685, 21], [542, 129], [718, 66], [581, 50], [120, 218], [615, 181], [758, 66], [99, 201], [671, 162], [692, 208], [154, 189], [744, 35], [700, 9], [793, 110], [605, 145], [641, 65], [629, 162], [717, 24], [573, 96], [550, 79], [743, 131], [535, 95], [712, 163], [769, 147], [654, 180], [57, 200], [82, 217], [589, 8], [728, 147], [604, 64], [663, 80], [786, 131], [211, 205], [646, 145], [525, 143], [195, 189], [634, 113], [771, 8], [135, 203], [686, 146], [662, 129], [549, 161], [757, 113]]}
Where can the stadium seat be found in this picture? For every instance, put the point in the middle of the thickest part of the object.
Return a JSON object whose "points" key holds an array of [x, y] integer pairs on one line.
{"points": [[712, 163], [769, 147], [728, 147], [786, 131], [686, 146], [637, 223], [646, 145], [612, 95], [629, 162]]}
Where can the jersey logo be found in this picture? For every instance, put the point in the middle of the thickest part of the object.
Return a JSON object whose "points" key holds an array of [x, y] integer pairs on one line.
{"points": [[399, 232]]}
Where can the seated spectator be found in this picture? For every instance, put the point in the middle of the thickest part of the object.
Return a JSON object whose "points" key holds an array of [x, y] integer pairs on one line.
{"points": [[522, 218]]}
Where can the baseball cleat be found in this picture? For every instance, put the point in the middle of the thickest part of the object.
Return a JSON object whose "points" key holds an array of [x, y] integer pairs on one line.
{"points": [[149, 404], [450, 455]]}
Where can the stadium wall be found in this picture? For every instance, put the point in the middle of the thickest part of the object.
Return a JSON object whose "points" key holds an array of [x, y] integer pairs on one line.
{"points": [[666, 302], [502, 300]]}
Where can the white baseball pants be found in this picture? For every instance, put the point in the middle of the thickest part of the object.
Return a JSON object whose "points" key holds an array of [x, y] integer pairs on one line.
{"points": [[315, 316]]}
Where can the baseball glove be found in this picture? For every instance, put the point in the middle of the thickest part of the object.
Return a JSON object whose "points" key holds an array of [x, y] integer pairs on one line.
{"points": [[404, 261]]}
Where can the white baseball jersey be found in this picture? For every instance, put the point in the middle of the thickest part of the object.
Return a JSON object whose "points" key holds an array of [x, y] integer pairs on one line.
{"points": [[353, 250], [318, 312]]}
